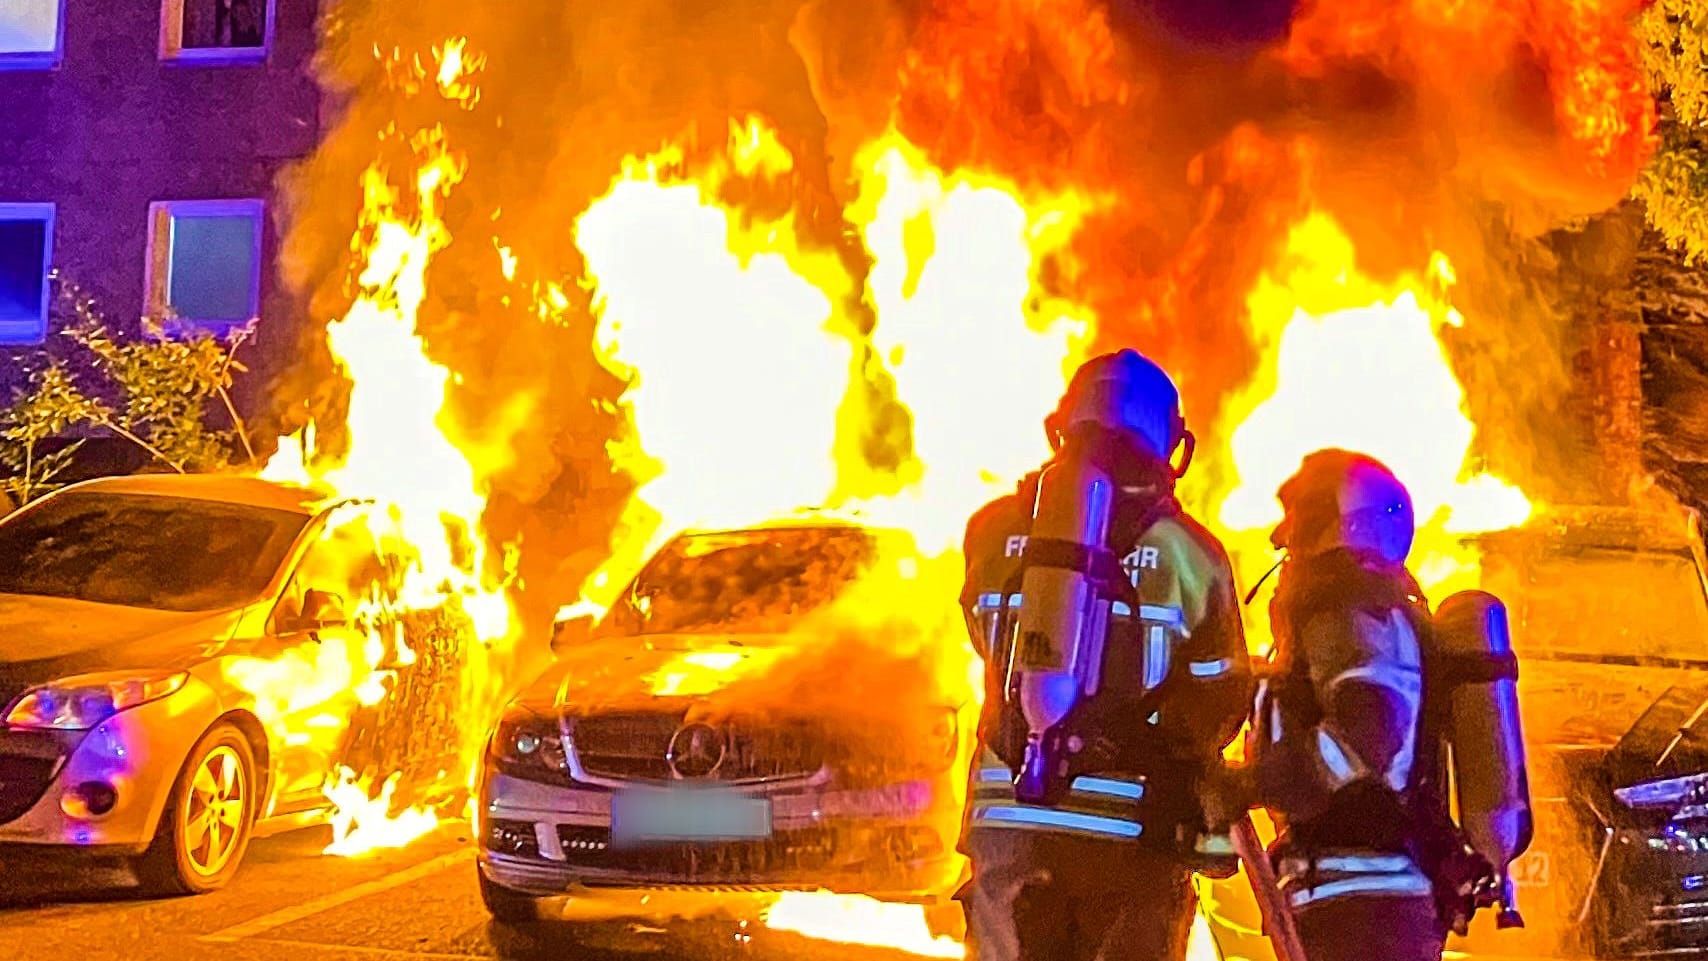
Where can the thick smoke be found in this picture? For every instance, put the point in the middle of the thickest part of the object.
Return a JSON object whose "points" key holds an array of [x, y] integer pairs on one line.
{"points": [[1459, 125]]}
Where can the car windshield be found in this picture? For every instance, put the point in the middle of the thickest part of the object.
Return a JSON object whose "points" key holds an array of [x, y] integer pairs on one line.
{"points": [[1602, 602], [163, 553], [747, 582]]}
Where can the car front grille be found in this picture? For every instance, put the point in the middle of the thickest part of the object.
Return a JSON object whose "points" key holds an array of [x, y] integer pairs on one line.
{"points": [[636, 747], [786, 854], [23, 781]]}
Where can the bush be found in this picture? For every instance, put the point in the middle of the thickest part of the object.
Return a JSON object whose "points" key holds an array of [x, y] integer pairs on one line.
{"points": [[162, 392]]}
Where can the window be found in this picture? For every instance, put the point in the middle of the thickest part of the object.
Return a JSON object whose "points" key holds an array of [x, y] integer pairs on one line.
{"points": [[216, 32], [26, 250], [143, 550], [344, 561], [32, 34], [204, 261]]}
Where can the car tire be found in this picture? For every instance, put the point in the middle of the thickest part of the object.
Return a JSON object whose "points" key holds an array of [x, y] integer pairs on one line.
{"points": [[505, 905], [205, 828]]}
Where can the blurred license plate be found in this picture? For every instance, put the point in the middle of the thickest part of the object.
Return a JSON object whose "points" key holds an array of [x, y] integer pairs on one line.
{"points": [[688, 816]]}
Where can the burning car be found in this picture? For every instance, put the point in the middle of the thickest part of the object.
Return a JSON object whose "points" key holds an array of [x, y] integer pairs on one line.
{"points": [[179, 667], [739, 719]]}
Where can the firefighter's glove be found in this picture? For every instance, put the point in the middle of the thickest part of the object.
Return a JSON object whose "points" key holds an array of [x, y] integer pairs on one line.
{"points": [[1226, 794], [1463, 884]]}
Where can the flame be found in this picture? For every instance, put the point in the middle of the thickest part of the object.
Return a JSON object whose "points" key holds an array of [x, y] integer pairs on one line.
{"points": [[428, 494], [709, 401], [779, 358], [754, 410], [965, 326], [702, 672], [363, 822], [956, 260], [767, 371], [1349, 362], [856, 919]]}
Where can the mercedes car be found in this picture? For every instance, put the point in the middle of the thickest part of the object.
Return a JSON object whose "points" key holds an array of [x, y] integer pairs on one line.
{"points": [[742, 718], [178, 659]]}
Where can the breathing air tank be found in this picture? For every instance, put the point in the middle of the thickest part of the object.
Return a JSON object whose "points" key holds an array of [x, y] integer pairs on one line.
{"points": [[1064, 617], [1490, 780]]}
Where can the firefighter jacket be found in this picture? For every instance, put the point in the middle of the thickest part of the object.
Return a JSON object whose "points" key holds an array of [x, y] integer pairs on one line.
{"points": [[1176, 679], [1335, 745]]}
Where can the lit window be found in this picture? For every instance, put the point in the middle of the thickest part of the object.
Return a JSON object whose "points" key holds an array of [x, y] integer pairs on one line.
{"points": [[204, 261], [215, 32], [31, 33], [26, 250]]}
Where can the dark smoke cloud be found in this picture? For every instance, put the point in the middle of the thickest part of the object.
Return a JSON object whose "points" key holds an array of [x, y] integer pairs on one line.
{"points": [[1216, 124]]}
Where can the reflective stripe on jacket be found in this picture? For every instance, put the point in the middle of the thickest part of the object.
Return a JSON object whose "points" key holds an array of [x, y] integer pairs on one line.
{"points": [[1099, 807], [1350, 874]]}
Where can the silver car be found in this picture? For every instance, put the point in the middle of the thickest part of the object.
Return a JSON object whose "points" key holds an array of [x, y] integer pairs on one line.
{"points": [[703, 740], [176, 668]]}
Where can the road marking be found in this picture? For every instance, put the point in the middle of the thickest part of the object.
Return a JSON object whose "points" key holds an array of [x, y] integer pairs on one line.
{"points": [[284, 916], [381, 952]]}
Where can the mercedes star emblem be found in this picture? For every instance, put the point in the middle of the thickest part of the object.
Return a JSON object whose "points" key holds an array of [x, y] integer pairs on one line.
{"points": [[696, 750]]}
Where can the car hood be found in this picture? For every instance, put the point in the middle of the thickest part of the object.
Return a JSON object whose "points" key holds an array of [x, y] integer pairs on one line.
{"points": [[753, 674], [624, 672], [46, 637], [1590, 703], [1669, 740]]}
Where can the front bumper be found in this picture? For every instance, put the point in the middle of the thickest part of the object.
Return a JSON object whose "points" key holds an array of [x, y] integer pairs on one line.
{"points": [[888, 843], [1652, 894], [137, 752]]}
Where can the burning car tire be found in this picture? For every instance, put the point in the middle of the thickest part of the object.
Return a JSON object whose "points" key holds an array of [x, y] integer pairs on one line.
{"points": [[204, 830], [505, 905]]}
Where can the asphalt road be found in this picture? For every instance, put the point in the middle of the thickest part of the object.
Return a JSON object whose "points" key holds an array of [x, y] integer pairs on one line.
{"points": [[290, 901]]}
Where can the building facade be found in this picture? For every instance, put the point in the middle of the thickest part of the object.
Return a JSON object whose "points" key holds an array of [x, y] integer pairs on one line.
{"points": [[141, 143]]}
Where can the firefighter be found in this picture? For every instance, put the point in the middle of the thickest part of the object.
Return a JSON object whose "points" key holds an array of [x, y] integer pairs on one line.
{"points": [[1337, 746], [1104, 869]]}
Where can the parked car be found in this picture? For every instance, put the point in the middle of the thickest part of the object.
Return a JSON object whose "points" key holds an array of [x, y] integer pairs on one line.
{"points": [[176, 665], [1610, 615], [713, 731]]}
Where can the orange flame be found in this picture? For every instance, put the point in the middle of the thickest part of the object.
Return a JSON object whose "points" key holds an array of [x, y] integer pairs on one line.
{"points": [[856, 919], [756, 387], [400, 456], [1352, 363]]}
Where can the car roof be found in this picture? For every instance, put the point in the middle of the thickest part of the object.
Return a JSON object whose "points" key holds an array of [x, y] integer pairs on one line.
{"points": [[1616, 528], [801, 524], [224, 488]]}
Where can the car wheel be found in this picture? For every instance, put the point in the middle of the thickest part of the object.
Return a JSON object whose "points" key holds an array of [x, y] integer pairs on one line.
{"points": [[205, 828], [510, 907]]}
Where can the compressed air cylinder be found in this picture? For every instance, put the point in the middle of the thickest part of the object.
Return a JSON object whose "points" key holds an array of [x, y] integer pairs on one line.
{"points": [[1487, 739], [1060, 623]]}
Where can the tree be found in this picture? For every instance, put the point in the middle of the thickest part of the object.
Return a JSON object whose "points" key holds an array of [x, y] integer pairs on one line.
{"points": [[159, 392], [1674, 187]]}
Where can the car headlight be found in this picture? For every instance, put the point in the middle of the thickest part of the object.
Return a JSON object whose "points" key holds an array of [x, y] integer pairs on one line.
{"points": [[1668, 793], [79, 703], [529, 745]]}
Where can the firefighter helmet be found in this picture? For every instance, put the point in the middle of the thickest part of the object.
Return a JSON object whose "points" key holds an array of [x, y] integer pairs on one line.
{"points": [[1126, 392], [1342, 499]]}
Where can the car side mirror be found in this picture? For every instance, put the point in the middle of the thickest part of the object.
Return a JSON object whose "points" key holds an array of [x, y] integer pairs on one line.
{"points": [[320, 610], [571, 632]]}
